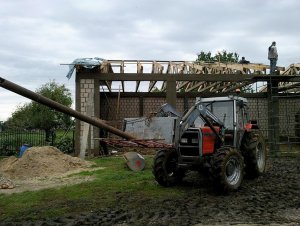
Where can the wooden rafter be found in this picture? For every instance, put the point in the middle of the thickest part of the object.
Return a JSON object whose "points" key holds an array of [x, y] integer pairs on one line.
{"points": [[156, 69], [191, 76]]}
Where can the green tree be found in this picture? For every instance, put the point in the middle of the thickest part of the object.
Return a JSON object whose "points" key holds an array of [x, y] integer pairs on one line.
{"points": [[37, 116], [1, 125], [223, 57], [206, 57], [20, 118]]}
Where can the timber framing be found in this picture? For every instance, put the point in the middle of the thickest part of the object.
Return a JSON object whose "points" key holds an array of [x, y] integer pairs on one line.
{"points": [[190, 95], [189, 76]]}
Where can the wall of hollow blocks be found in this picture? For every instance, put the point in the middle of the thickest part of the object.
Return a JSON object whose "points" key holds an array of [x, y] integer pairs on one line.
{"points": [[258, 110], [86, 106]]}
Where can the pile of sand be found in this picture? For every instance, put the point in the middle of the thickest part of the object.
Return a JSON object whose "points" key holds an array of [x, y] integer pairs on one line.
{"points": [[39, 162]]}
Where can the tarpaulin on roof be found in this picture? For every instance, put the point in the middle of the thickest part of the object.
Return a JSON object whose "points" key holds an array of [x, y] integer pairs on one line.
{"points": [[85, 62]]}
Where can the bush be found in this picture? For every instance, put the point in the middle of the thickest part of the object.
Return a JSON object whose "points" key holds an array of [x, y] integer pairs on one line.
{"points": [[65, 144], [6, 148]]}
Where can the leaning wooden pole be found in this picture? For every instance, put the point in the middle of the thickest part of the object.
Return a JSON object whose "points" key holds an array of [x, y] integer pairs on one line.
{"points": [[62, 108]]}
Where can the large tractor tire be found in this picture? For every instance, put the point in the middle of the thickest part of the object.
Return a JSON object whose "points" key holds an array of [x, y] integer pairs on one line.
{"points": [[165, 168], [227, 169], [255, 154]]}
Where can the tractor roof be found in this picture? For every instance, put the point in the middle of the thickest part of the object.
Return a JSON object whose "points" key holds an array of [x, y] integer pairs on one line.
{"points": [[217, 99]]}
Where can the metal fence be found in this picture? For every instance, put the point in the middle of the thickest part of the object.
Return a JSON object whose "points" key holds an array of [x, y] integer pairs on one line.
{"points": [[11, 141]]}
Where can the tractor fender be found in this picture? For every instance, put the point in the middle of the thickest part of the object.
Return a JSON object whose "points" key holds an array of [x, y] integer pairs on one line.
{"points": [[245, 132]]}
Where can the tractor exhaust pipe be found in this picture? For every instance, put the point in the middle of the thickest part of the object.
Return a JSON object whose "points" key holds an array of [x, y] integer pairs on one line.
{"points": [[62, 108]]}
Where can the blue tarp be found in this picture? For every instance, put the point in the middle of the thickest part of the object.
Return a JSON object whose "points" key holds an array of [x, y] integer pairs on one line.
{"points": [[85, 62]]}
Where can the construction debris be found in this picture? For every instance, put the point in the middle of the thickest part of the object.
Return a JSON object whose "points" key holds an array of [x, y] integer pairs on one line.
{"points": [[134, 161], [6, 183]]}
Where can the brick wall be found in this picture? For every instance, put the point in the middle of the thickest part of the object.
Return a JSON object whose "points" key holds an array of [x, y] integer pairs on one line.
{"points": [[288, 108], [85, 97], [258, 109]]}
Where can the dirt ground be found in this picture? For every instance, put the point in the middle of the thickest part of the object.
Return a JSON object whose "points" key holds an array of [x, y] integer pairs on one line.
{"points": [[272, 199], [39, 183]]}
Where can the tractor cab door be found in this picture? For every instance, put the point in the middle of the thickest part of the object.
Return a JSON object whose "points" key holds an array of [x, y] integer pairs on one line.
{"points": [[242, 121]]}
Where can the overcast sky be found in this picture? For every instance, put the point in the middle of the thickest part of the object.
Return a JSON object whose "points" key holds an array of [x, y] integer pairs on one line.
{"points": [[37, 36]]}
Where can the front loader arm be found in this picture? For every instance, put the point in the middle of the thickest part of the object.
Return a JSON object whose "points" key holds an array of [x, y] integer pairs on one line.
{"points": [[200, 110]]}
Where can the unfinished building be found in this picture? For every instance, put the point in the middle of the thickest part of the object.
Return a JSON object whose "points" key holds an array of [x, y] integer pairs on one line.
{"points": [[116, 89]]}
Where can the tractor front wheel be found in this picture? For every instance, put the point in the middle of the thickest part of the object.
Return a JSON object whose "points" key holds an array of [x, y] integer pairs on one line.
{"points": [[227, 169], [165, 168]]}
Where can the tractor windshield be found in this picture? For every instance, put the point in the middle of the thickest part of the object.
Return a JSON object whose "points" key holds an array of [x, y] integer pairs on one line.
{"points": [[223, 110]]}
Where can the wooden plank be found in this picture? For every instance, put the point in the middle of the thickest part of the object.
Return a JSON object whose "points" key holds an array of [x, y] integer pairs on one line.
{"points": [[122, 71], [193, 64], [188, 77], [168, 77], [289, 86], [140, 70], [236, 86], [206, 87], [156, 69], [221, 86]]}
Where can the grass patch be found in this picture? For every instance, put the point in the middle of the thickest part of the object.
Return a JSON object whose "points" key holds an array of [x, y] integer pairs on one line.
{"points": [[114, 184]]}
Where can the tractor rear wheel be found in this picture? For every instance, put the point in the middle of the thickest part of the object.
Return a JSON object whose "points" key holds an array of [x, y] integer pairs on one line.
{"points": [[227, 169], [255, 154], [165, 168]]}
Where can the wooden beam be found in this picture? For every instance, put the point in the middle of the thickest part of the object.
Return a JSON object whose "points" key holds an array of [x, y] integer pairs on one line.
{"points": [[122, 71], [188, 95], [187, 77], [236, 86], [171, 93], [140, 70], [208, 87]]}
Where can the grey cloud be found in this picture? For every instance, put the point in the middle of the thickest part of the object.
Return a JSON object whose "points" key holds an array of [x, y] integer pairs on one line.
{"points": [[36, 36]]}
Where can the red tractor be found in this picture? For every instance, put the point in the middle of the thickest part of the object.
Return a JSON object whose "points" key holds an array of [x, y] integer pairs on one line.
{"points": [[215, 134]]}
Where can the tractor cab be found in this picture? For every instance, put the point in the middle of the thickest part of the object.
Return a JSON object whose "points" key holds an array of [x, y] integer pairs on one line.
{"points": [[232, 111]]}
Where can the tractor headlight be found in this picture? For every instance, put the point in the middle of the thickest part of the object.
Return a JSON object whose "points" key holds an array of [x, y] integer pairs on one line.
{"points": [[194, 141], [184, 140]]}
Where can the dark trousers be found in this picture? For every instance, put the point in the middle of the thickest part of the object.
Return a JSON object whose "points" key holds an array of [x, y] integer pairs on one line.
{"points": [[273, 63]]}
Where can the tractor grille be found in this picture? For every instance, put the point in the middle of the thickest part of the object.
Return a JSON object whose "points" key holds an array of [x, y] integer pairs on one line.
{"points": [[189, 144]]}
